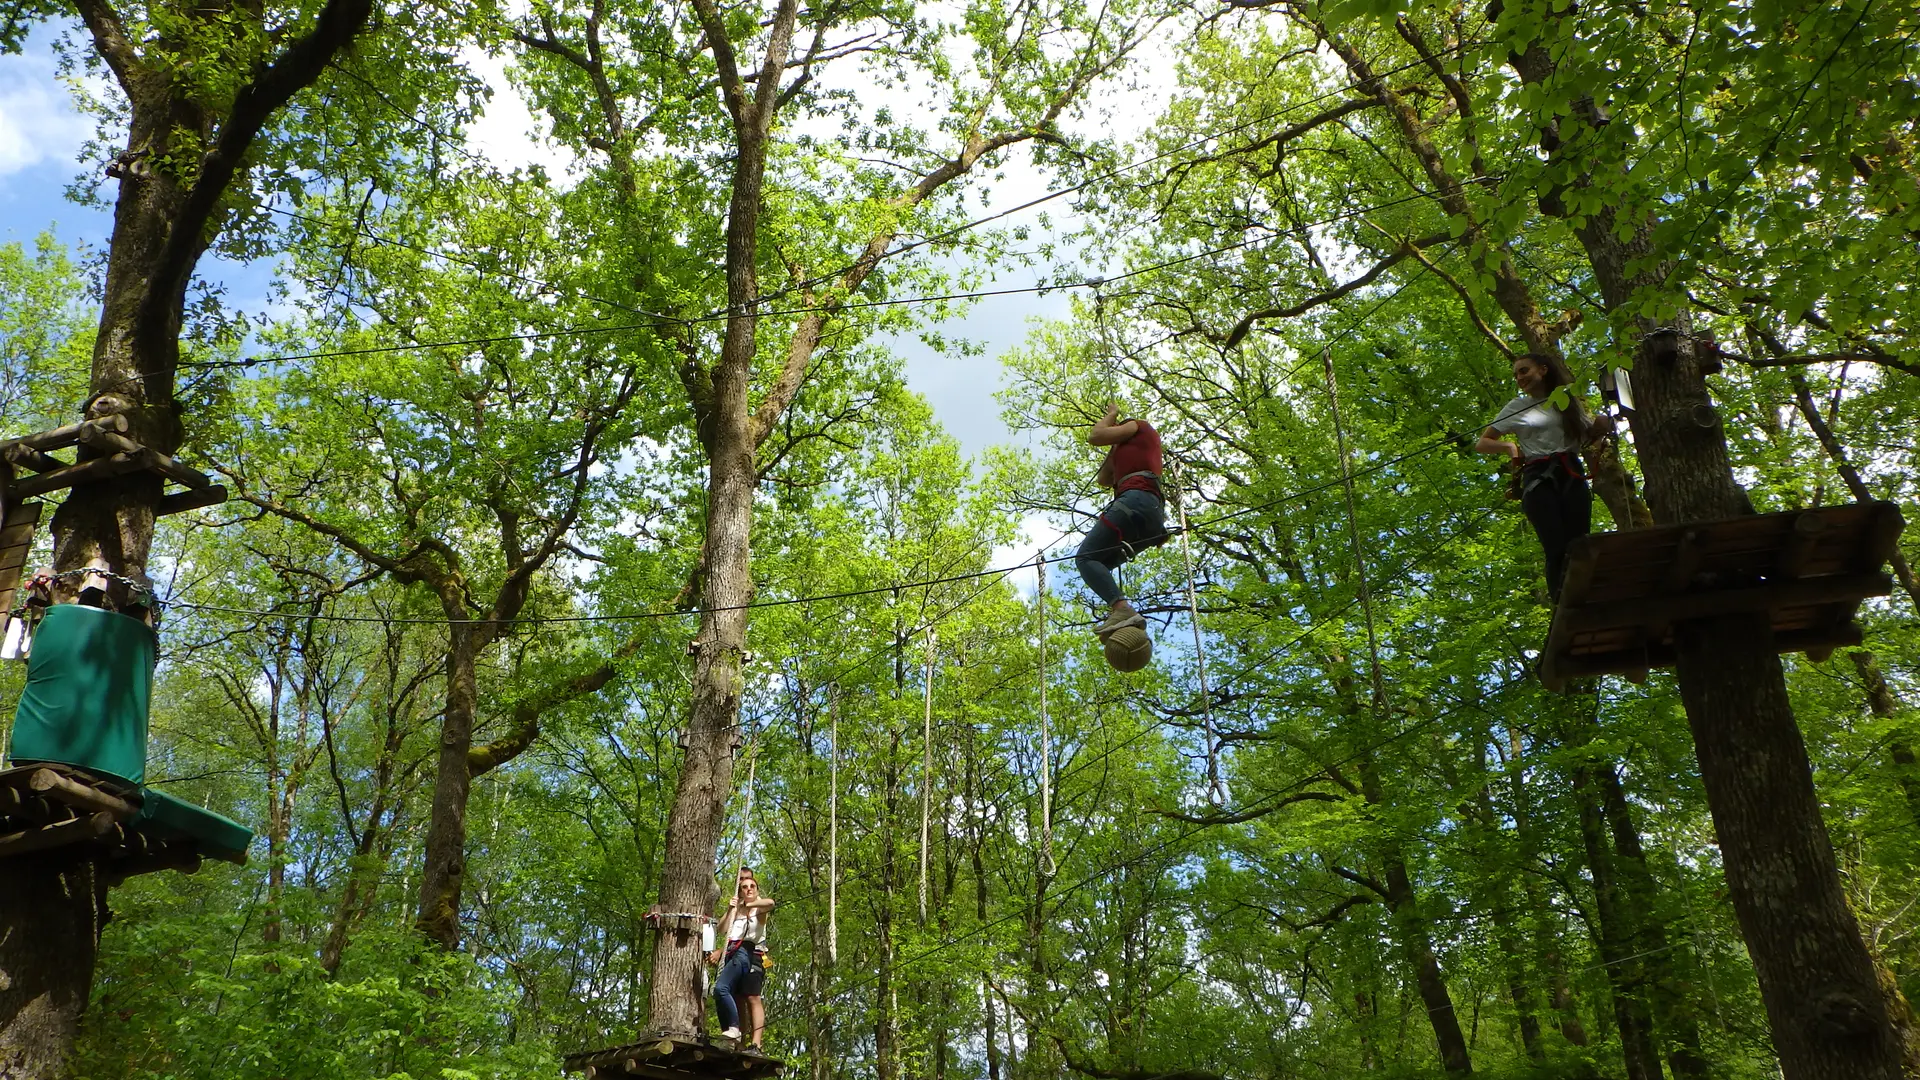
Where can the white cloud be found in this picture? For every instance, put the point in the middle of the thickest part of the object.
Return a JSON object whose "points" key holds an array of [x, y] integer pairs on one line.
{"points": [[507, 133], [37, 118]]}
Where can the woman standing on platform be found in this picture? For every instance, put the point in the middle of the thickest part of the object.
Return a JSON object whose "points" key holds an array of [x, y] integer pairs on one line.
{"points": [[742, 971], [1546, 443]]}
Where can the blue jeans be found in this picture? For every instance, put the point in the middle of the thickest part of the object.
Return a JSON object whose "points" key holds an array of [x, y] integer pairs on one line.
{"points": [[740, 976], [1138, 517]]}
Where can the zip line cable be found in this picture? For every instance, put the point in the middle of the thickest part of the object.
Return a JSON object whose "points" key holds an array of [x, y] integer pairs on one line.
{"points": [[850, 305], [534, 620], [1119, 170]]}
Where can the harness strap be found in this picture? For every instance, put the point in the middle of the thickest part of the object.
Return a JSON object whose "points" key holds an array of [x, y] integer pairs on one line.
{"points": [[1566, 460], [1149, 474]]}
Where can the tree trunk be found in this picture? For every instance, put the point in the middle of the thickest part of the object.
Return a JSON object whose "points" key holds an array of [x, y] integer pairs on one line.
{"points": [[1416, 943], [1667, 991], [51, 915], [444, 858], [726, 430], [1818, 983], [1640, 1057]]}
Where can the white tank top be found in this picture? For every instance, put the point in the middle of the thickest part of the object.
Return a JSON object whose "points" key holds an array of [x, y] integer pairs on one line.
{"points": [[750, 927]]}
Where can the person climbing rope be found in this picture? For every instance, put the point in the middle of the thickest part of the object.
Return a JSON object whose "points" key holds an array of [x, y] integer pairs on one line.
{"points": [[742, 966], [1546, 447], [1135, 519]]}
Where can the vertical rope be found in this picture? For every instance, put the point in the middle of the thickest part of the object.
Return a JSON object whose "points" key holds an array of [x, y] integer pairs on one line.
{"points": [[1353, 530], [926, 781], [833, 827], [1046, 736], [746, 829], [1214, 791]]}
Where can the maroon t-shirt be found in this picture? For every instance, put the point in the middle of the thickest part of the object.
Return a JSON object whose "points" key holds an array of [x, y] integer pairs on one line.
{"points": [[1138, 454]]}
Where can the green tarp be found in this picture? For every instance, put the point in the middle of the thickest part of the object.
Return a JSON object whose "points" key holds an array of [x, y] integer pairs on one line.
{"points": [[166, 817], [89, 684], [89, 688]]}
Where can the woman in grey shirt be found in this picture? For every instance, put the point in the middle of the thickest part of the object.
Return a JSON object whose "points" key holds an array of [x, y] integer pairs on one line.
{"points": [[1547, 441]]}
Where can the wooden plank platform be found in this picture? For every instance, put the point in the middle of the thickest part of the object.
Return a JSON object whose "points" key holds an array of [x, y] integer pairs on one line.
{"points": [[673, 1057], [1806, 571], [117, 455], [63, 811]]}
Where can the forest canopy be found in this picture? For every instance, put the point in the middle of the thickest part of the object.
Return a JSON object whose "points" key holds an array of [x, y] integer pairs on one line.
{"points": [[586, 536]]}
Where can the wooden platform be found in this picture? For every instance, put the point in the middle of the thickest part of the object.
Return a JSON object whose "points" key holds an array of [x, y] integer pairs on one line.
{"points": [[116, 455], [1806, 571], [664, 1057], [63, 811]]}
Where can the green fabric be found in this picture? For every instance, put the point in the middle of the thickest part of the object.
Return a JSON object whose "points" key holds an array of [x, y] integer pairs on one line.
{"points": [[166, 817], [89, 684]]}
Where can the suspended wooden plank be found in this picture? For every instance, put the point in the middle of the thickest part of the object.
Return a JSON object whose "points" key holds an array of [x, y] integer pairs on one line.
{"points": [[1804, 571]]}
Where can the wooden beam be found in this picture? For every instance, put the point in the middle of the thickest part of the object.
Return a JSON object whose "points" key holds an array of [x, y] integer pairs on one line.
{"points": [[53, 785], [72, 433], [111, 442], [1654, 610], [1882, 536], [158, 462], [1685, 564], [28, 458], [1622, 663], [74, 475], [76, 831], [1583, 556], [182, 501], [163, 860], [1800, 545]]}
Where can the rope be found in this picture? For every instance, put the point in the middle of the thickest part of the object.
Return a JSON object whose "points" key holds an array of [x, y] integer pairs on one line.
{"points": [[1215, 793], [1046, 736], [1353, 530], [833, 827], [926, 779]]}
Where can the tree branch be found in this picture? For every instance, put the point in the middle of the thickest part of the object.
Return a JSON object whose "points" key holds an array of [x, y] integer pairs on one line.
{"points": [[110, 39], [1239, 816], [295, 70], [1241, 328]]}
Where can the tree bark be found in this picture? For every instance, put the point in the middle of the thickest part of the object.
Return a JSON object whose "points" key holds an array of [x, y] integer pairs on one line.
{"points": [[443, 868], [1416, 942], [51, 915]]}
